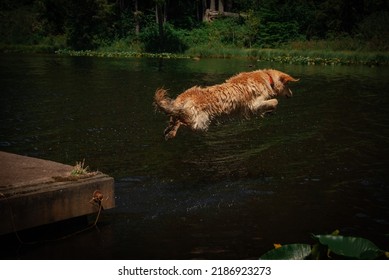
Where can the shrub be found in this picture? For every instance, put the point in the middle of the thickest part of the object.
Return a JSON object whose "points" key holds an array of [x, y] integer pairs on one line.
{"points": [[171, 41], [373, 29]]}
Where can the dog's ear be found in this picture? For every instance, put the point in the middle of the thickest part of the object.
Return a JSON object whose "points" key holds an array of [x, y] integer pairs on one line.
{"points": [[285, 78]]}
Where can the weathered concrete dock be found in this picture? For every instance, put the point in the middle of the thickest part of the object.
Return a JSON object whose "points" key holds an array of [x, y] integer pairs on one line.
{"points": [[35, 192]]}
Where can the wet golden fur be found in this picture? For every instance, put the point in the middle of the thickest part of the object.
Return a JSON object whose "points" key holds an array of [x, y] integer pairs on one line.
{"points": [[245, 93]]}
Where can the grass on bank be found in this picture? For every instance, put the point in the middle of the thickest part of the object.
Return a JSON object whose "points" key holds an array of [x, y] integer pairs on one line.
{"points": [[301, 52], [312, 57], [322, 52]]}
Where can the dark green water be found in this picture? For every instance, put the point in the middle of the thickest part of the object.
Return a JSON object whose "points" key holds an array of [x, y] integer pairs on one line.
{"points": [[319, 164]]}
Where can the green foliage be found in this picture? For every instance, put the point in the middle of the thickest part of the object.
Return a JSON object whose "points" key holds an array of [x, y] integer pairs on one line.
{"points": [[19, 26], [122, 54], [373, 29], [288, 252], [52, 16], [223, 33], [127, 44], [319, 56], [351, 247], [227, 31], [170, 41], [332, 25], [328, 246], [252, 27], [87, 23], [80, 169], [287, 22], [273, 34]]}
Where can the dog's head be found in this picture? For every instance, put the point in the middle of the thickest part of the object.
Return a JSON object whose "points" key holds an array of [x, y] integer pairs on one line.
{"points": [[279, 81]]}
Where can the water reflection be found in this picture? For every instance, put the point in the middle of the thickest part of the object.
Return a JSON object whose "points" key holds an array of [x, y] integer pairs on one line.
{"points": [[317, 165]]}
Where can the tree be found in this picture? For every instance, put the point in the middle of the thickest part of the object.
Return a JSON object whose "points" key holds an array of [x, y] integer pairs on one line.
{"points": [[87, 23], [160, 14], [137, 15], [221, 6]]}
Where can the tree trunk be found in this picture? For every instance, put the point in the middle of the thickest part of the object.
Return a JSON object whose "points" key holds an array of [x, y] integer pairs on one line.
{"points": [[160, 19], [204, 7], [221, 6], [136, 14], [213, 5]]}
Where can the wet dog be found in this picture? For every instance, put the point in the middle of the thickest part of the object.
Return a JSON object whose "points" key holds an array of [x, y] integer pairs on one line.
{"points": [[245, 94]]}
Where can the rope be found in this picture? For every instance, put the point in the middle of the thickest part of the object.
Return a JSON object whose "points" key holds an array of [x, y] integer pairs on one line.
{"points": [[12, 218], [97, 198]]}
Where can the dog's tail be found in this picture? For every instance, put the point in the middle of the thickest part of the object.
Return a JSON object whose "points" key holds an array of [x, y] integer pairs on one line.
{"points": [[162, 102]]}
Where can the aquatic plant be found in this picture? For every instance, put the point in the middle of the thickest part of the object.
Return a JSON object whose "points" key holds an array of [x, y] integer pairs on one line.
{"points": [[80, 169], [320, 57], [327, 246], [274, 55], [122, 54]]}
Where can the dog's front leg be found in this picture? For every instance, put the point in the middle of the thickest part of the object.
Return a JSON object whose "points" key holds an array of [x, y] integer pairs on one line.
{"points": [[267, 106]]}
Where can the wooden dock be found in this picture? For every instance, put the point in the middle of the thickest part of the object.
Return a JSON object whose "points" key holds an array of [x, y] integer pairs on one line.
{"points": [[36, 192]]}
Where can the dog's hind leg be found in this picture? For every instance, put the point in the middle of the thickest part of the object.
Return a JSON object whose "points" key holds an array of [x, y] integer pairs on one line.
{"points": [[170, 127], [171, 130]]}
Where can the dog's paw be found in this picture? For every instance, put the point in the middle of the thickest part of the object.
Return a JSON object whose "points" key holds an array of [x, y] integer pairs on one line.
{"points": [[170, 134], [268, 113]]}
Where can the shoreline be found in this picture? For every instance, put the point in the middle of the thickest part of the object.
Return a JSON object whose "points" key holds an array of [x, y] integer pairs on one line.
{"points": [[313, 57], [290, 56]]}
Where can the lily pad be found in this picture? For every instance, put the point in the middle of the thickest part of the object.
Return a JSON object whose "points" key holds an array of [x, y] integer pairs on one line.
{"points": [[352, 247], [288, 252]]}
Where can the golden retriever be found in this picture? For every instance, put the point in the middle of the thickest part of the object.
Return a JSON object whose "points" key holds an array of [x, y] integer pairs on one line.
{"points": [[246, 94]]}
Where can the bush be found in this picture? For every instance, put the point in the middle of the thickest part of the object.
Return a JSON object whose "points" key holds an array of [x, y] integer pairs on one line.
{"points": [[19, 26], [273, 34], [171, 41], [374, 30], [88, 23], [129, 44]]}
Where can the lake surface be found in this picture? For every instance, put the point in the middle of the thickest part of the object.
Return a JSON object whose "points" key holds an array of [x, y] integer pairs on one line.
{"points": [[319, 164]]}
